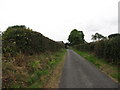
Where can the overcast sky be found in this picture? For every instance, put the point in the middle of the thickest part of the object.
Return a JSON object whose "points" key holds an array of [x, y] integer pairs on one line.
{"points": [[56, 18]]}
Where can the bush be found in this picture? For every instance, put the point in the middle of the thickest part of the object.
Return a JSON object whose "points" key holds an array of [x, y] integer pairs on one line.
{"points": [[108, 49], [19, 39]]}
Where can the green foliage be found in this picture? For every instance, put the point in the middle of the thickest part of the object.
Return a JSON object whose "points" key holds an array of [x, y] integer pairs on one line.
{"points": [[31, 72], [97, 36], [117, 75], [20, 68], [76, 37], [19, 39], [85, 47], [102, 64], [113, 35], [108, 49]]}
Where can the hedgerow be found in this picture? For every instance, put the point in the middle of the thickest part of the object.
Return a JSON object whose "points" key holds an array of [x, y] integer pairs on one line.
{"points": [[27, 57], [108, 49], [19, 39]]}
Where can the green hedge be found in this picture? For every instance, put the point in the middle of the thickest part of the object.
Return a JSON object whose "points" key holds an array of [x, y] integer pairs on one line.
{"points": [[19, 39], [108, 49]]}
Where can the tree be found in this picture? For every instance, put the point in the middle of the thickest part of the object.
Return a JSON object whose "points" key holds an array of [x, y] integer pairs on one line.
{"points": [[76, 37], [97, 36], [66, 45], [114, 35]]}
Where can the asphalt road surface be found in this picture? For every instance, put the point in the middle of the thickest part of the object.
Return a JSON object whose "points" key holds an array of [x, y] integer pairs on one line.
{"points": [[79, 73]]}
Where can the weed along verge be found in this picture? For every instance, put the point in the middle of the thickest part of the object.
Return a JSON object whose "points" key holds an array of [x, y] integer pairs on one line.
{"points": [[54, 77], [35, 73], [109, 69], [28, 57], [52, 71]]}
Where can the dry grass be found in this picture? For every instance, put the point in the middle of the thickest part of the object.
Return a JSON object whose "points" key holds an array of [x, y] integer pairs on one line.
{"points": [[27, 71], [54, 79]]}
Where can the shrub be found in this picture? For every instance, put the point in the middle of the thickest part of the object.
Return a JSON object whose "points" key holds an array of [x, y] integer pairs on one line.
{"points": [[108, 49], [19, 39]]}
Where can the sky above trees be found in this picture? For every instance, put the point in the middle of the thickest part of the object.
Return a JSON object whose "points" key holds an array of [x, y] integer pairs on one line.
{"points": [[57, 18]]}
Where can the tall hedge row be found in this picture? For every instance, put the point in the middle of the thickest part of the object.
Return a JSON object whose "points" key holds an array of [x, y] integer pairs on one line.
{"points": [[108, 49], [19, 39]]}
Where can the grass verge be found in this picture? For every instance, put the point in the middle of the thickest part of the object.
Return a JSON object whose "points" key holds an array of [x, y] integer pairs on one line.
{"points": [[30, 71], [48, 72], [54, 79], [109, 69]]}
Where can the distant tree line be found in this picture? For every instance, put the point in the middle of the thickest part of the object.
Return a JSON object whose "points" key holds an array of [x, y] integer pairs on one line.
{"points": [[20, 39], [103, 47]]}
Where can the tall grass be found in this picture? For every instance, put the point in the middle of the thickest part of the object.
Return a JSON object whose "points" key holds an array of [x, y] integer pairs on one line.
{"points": [[31, 72]]}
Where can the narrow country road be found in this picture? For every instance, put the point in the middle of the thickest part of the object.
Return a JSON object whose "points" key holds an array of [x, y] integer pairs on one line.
{"points": [[79, 73]]}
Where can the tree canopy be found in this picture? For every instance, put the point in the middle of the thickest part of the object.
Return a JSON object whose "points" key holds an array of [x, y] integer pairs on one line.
{"points": [[97, 36], [114, 35], [76, 37]]}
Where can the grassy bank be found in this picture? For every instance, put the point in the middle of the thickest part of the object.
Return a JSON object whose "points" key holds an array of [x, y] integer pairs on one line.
{"points": [[30, 71], [108, 68], [55, 76]]}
